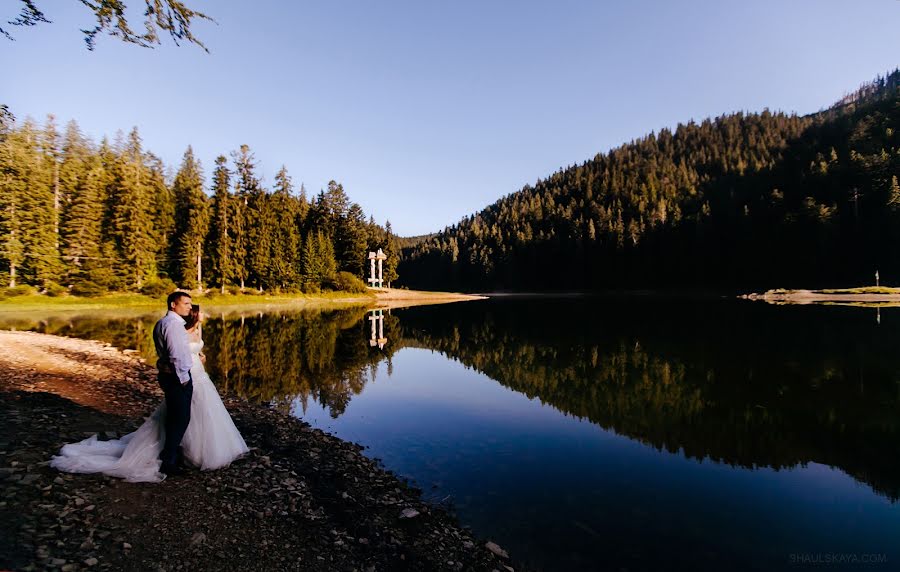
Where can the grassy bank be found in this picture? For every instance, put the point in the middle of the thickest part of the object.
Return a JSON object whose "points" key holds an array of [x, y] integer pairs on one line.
{"points": [[124, 301], [862, 290]]}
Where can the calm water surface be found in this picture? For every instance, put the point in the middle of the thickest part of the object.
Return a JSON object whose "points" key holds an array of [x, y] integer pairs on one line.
{"points": [[593, 433]]}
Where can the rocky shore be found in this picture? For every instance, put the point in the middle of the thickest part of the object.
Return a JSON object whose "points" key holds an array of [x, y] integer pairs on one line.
{"points": [[301, 500]]}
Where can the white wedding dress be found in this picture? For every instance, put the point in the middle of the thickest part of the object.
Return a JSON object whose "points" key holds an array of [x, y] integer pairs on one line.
{"points": [[210, 442]]}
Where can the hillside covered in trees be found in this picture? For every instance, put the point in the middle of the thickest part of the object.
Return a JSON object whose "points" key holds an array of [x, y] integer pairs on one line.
{"points": [[741, 201], [110, 217]]}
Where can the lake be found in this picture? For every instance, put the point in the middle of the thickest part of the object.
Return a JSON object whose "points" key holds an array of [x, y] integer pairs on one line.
{"points": [[585, 433]]}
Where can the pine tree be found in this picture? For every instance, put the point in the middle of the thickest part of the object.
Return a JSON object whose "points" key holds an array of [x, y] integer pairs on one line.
{"points": [[162, 208], [262, 239], [351, 240], [108, 276], [13, 156], [247, 186], [82, 225], [73, 171], [220, 231], [41, 264], [285, 264], [318, 258], [7, 121], [392, 251], [259, 220], [52, 156], [302, 207], [328, 210], [191, 221], [132, 221], [240, 240]]}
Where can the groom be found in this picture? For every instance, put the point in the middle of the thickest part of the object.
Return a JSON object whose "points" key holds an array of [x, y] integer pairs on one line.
{"points": [[174, 367]]}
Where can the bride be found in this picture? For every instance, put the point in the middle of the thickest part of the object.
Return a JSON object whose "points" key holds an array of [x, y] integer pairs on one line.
{"points": [[210, 442]]}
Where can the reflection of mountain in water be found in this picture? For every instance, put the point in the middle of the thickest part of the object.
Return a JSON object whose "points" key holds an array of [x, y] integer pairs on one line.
{"points": [[732, 382], [744, 384]]}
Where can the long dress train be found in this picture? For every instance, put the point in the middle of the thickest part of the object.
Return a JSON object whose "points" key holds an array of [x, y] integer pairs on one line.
{"points": [[211, 441]]}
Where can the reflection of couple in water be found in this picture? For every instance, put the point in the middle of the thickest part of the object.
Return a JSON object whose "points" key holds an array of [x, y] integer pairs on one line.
{"points": [[191, 425]]}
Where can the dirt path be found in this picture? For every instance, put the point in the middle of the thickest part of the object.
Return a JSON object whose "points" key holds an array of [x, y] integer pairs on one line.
{"points": [[301, 500]]}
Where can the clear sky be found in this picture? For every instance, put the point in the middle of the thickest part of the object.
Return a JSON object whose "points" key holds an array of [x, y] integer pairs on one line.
{"points": [[428, 111]]}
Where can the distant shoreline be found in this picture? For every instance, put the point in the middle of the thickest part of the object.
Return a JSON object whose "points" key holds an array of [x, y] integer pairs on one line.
{"points": [[866, 295], [376, 297], [398, 298]]}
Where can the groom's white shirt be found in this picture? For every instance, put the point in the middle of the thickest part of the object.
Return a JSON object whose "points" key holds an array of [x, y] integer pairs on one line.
{"points": [[171, 341]]}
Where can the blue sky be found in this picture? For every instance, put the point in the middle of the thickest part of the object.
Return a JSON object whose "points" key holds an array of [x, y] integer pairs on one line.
{"points": [[428, 111]]}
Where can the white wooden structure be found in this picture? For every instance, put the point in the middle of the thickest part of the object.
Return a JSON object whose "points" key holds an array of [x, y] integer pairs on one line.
{"points": [[377, 281], [377, 339]]}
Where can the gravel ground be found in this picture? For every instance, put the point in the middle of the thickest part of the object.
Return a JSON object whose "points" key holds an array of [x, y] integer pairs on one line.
{"points": [[301, 500]]}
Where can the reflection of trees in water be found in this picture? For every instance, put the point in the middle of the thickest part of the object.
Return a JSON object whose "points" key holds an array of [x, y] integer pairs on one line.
{"points": [[741, 384], [280, 358], [132, 332], [766, 392], [268, 357]]}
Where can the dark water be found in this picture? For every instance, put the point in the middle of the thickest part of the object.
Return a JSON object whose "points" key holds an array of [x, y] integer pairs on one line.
{"points": [[586, 434]]}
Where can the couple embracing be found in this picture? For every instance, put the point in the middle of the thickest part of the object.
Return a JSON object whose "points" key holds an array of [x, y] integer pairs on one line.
{"points": [[191, 425]]}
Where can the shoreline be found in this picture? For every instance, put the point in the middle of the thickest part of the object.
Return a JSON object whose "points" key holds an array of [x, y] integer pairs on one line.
{"points": [[390, 298], [871, 296], [375, 297], [307, 499]]}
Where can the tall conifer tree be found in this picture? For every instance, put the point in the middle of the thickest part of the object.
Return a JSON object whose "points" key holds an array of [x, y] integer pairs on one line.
{"points": [[220, 232], [246, 186], [82, 228], [52, 155], [392, 251], [318, 258], [351, 240], [162, 209], [191, 221], [13, 157], [285, 260], [132, 220], [41, 263]]}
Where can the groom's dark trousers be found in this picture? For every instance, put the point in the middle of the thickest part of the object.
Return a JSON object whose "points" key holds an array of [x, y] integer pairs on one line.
{"points": [[178, 415]]}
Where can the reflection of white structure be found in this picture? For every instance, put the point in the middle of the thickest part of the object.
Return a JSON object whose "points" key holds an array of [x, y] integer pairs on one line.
{"points": [[377, 339], [380, 257]]}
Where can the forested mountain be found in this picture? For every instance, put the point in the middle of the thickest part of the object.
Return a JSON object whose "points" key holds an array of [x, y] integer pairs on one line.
{"points": [[109, 217], [740, 201]]}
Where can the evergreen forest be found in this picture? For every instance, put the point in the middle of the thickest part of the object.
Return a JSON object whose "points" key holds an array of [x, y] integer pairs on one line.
{"points": [[87, 218], [746, 200], [741, 201]]}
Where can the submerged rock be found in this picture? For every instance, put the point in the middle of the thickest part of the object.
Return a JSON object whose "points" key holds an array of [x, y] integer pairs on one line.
{"points": [[496, 550]]}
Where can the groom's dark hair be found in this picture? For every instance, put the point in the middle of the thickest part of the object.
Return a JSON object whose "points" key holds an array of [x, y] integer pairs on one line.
{"points": [[176, 296]]}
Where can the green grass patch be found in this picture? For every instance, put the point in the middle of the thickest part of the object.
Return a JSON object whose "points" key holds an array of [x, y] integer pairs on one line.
{"points": [[862, 290], [110, 301]]}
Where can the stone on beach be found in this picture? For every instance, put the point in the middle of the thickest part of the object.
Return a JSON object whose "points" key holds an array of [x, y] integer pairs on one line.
{"points": [[56, 390]]}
